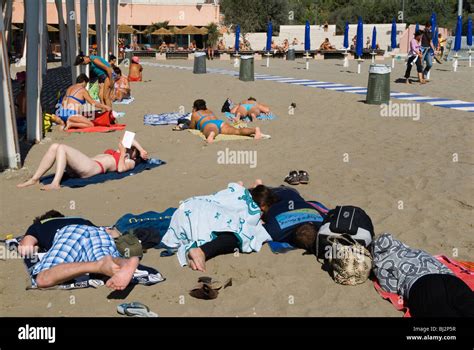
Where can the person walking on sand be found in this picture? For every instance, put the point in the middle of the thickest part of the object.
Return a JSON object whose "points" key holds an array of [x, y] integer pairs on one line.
{"points": [[415, 56], [427, 48], [205, 120]]}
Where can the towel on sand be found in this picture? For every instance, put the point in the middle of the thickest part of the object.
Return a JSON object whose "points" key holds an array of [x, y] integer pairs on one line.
{"points": [[230, 210], [151, 219], [143, 275], [164, 118], [222, 137], [261, 116], [74, 182], [100, 128], [460, 269], [125, 101]]}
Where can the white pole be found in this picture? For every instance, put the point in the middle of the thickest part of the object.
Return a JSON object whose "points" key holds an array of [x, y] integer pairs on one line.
{"points": [[33, 74], [9, 148], [359, 61], [393, 60], [470, 58], [307, 60], [346, 59], [373, 56], [268, 60], [455, 64]]}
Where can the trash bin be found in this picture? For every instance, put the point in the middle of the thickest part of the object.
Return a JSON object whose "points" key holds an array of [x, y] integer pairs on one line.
{"points": [[199, 63], [290, 55], [246, 72], [378, 88]]}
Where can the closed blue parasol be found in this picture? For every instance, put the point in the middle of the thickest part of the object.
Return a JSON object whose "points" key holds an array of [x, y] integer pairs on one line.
{"points": [[374, 38], [360, 38], [434, 26], [307, 39], [346, 35], [469, 32], [237, 38], [417, 27], [269, 36], [394, 35], [457, 40]]}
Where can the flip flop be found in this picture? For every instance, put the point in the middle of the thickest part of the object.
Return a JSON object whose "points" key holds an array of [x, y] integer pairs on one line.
{"points": [[293, 178], [208, 289], [135, 309]]}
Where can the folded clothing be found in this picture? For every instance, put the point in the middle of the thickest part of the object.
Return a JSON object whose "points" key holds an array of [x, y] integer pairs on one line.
{"points": [[164, 118], [75, 182]]}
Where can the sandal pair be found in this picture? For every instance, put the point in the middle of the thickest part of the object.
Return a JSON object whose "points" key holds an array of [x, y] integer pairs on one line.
{"points": [[207, 289], [135, 309], [297, 177]]}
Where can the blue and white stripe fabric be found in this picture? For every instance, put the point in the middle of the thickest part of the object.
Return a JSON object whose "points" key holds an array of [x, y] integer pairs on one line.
{"points": [[434, 101], [76, 243]]}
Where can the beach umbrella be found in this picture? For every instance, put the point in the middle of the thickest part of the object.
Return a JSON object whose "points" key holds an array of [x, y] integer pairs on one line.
{"points": [[457, 42], [269, 36], [434, 26], [237, 38], [359, 42], [162, 31], [374, 38], [417, 27], [52, 29], [469, 38], [307, 39], [346, 35], [126, 29], [393, 42]]}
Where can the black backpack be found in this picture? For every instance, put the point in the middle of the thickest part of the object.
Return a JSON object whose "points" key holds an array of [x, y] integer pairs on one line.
{"points": [[345, 219]]}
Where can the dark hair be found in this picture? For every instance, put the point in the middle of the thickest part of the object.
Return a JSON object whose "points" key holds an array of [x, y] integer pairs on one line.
{"points": [[81, 78], [263, 195], [79, 59], [418, 33], [112, 57], [428, 24], [199, 105], [48, 215], [117, 70], [252, 99], [305, 237]]}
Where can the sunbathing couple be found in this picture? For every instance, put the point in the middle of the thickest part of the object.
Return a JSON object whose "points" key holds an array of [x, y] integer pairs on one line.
{"points": [[206, 121], [77, 164]]}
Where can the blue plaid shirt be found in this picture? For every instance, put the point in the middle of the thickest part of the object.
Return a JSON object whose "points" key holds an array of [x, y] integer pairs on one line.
{"points": [[76, 243]]}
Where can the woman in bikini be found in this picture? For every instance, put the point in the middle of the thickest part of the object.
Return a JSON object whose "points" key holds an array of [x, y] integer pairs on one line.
{"points": [[249, 108], [204, 120], [68, 112], [79, 165]]}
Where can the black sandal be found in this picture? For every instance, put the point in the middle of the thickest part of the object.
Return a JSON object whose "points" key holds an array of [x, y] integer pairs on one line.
{"points": [[293, 178], [304, 177]]}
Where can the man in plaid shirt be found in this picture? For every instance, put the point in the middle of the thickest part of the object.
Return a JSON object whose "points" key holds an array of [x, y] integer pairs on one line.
{"points": [[81, 249]]}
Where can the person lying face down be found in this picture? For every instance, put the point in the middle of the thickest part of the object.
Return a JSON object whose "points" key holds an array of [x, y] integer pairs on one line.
{"points": [[280, 206], [249, 108], [205, 120], [82, 249], [80, 165], [429, 287]]}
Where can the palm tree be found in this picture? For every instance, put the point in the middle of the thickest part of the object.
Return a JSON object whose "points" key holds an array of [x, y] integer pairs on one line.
{"points": [[212, 34], [155, 26]]}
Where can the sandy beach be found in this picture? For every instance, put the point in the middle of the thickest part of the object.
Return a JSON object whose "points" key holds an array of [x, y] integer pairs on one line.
{"points": [[400, 170]]}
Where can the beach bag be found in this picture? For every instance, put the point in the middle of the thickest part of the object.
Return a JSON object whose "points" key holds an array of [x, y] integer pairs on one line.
{"points": [[47, 122], [350, 263], [94, 91], [104, 119], [345, 219]]}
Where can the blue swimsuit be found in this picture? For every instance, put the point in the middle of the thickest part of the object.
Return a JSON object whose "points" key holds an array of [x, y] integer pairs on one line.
{"points": [[216, 122], [65, 113]]}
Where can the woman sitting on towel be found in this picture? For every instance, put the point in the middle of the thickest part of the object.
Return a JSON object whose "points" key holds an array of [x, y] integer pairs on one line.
{"points": [[122, 87], [249, 108], [77, 164], [204, 120], [76, 95]]}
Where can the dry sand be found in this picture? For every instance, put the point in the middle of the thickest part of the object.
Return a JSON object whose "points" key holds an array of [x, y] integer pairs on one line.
{"points": [[390, 160]]}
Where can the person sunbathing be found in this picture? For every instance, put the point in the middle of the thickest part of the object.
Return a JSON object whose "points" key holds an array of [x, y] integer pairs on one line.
{"points": [[326, 45], [205, 120], [285, 46], [68, 112], [221, 45], [82, 249], [136, 70], [277, 205], [163, 47], [249, 108], [79, 165], [122, 86]]}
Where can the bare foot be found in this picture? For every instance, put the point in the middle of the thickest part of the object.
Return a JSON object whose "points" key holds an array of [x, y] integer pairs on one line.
{"points": [[30, 182], [121, 279], [197, 259], [50, 187], [258, 133], [210, 138], [107, 266], [408, 81]]}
